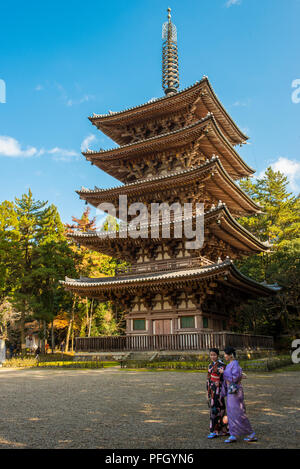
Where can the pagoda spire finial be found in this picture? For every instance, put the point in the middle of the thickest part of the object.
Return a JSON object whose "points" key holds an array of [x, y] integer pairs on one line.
{"points": [[170, 74], [169, 14]]}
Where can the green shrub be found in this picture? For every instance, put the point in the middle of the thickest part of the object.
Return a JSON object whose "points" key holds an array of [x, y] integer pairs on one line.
{"points": [[267, 364], [55, 361], [172, 365], [20, 362], [71, 364]]}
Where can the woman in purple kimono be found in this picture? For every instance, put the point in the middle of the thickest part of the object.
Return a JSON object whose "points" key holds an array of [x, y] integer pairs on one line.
{"points": [[238, 422]]}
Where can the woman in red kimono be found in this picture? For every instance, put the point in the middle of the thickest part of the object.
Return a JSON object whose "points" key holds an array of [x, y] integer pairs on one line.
{"points": [[216, 403]]}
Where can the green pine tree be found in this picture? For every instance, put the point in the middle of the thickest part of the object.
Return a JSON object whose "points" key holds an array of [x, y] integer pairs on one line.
{"points": [[278, 224]]}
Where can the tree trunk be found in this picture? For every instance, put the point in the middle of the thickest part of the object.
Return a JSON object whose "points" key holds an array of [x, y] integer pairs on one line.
{"points": [[87, 317], [72, 332], [91, 317], [68, 336], [44, 336], [70, 326], [39, 341], [72, 340], [5, 330], [52, 337], [23, 343]]}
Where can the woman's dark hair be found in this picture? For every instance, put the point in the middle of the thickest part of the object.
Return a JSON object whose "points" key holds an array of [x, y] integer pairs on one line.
{"points": [[230, 351], [215, 350]]}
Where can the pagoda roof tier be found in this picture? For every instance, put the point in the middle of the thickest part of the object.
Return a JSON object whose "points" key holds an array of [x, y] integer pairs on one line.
{"points": [[217, 221], [224, 273], [195, 101], [205, 132], [211, 174]]}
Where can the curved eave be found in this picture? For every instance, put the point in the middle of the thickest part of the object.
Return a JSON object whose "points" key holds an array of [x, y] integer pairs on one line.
{"points": [[245, 169], [171, 276], [239, 237], [142, 184], [142, 145], [226, 273], [219, 221], [218, 180], [221, 185], [238, 280], [142, 111], [108, 123], [240, 136], [212, 141]]}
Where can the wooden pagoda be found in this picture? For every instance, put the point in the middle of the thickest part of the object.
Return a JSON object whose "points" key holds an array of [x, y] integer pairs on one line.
{"points": [[178, 148]]}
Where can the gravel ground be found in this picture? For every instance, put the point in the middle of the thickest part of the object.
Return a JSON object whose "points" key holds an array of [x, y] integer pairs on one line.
{"points": [[115, 408]]}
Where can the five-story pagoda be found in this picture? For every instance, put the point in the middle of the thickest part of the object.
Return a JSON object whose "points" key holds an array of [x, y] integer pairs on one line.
{"points": [[176, 149]]}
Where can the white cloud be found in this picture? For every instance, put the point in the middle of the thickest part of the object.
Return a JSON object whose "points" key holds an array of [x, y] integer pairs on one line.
{"points": [[85, 143], [79, 98], [72, 101], [10, 147], [290, 168], [242, 103], [230, 3], [84, 99], [62, 151], [61, 154]]}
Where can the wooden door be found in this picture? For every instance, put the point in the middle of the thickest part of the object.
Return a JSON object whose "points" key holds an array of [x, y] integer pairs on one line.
{"points": [[162, 326]]}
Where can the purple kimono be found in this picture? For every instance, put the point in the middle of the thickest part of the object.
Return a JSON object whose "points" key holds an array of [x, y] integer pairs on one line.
{"points": [[238, 422]]}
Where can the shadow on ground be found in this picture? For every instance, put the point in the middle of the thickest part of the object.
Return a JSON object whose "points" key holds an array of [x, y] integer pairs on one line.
{"points": [[115, 408]]}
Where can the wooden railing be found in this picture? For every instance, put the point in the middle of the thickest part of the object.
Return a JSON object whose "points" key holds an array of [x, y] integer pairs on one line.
{"points": [[183, 342]]}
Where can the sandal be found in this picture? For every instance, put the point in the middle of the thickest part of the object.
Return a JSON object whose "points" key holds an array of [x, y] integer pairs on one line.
{"points": [[231, 439], [250, 438]]}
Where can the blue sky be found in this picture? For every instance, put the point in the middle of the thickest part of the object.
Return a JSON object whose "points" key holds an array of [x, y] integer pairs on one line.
{"points": [[61, 61]]}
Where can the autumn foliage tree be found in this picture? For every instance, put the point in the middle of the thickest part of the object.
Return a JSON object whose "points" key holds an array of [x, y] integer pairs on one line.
{"points": [[90, 316]]}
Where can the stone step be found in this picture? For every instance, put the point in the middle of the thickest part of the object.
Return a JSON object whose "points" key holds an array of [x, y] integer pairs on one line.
{"points": [[94, 356], [146, 356]]}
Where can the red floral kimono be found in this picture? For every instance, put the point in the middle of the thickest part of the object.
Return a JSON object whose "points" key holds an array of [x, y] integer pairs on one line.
{"points": [[215, 401]]}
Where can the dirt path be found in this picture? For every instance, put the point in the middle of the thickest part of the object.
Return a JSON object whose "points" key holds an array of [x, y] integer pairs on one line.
{"points": [[115, 408]]}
